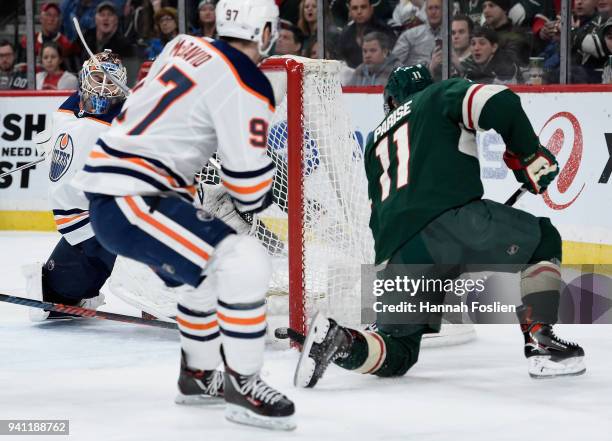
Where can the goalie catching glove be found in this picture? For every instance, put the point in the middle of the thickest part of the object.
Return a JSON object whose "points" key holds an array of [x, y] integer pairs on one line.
{"points": [[536, 171]]}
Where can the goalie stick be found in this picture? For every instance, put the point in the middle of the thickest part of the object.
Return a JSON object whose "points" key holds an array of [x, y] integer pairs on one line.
{"points": [[86, 312], [28, 165]]}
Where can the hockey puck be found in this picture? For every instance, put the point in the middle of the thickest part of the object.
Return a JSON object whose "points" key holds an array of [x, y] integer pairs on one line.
{"points": [[281, 333]]}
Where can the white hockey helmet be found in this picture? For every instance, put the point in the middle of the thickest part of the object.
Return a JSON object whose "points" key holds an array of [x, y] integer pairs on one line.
{"points": [[247, 19]]}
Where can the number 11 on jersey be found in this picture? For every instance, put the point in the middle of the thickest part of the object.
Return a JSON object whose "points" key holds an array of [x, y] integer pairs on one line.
{"points": [[401, 139]]}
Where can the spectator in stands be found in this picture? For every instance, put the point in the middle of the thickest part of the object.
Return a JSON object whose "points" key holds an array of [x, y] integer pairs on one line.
{"points": [[11, 77], [346, 72], [207, 21], [607, 34], [546, 24], [471, 8], [341, 10], [416, 45], [488, 63], [408, 14], [461, 32], [307, 22], [50, 22], [166, 22], [604, 7], [85, 11], [378, 61], [364, 22], [139, 23], [53, 76], [290, 39], [588, 48], [106, 33], [289, 10], [511, 40]]}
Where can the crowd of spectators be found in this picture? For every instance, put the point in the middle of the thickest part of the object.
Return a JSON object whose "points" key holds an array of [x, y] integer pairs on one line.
{"points": [[492, 41]]}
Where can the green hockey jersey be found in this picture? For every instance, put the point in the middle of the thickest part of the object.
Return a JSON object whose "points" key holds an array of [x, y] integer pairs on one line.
{"points": [[422, 159]]}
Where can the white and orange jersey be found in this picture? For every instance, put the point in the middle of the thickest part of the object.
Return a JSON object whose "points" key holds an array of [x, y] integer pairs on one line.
{"points": [[73, 136], [200, 96]]}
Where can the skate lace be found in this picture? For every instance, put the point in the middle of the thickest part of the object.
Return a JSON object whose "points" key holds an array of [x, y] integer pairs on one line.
{"points": [[560, 340], [215, 383], [260, 390]]}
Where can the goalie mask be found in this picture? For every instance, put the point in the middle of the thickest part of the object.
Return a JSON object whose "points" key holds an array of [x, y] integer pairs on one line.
{"points": [[403, 82], [247, 19], [98, 93]]}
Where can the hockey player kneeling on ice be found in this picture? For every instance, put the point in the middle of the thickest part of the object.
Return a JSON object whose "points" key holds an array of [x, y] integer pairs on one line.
{"points": [[201, 96], [79, 265], [427, 209]]}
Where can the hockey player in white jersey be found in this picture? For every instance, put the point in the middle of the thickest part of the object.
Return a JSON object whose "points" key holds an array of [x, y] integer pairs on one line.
{"points": [[79, 265], [200, 97]]}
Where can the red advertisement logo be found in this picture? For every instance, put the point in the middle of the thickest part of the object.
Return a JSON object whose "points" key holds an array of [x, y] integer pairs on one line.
{"points": [[567, 175]]}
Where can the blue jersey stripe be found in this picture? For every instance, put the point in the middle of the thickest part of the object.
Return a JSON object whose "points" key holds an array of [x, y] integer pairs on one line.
{"points": [[247, 174], [137, 175], [250, 335], [71, 228], [67, 212], [199, 338], [242, 306], [249, 73], [192, 313], [119, 154]]}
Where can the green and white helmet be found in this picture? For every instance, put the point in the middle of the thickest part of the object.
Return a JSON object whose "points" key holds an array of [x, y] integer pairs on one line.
{"points": [[403, 82]]}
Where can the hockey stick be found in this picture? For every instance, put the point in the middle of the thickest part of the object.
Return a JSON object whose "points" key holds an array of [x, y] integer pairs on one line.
{"points": [[119, 84], [516, 196], [86, 312], [28, 165]]}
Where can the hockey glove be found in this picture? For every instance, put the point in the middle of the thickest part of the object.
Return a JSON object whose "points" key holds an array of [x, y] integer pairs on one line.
{"points": [[536, 171]]}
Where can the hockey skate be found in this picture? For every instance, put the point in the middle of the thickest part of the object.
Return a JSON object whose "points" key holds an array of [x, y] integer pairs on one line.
{"points": [[547, 355], [199, 387], [249, 400], [34, 290], [325, 342]]}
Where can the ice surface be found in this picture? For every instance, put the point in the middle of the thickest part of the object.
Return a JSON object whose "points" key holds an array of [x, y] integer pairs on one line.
{"points": [[115, 381]]}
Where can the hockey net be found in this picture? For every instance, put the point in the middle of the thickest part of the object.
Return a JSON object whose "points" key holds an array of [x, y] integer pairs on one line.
{"points": [[316, 232]]}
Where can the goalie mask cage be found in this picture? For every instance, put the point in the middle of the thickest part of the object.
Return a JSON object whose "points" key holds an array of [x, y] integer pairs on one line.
{"points": [[316, 232]]}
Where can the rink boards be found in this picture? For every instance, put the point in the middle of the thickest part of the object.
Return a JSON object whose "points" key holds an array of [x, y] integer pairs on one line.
{"points": [[575, 122]]}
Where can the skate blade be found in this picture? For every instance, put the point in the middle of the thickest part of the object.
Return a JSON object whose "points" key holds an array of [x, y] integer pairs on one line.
{"points": [[240, 415], [543, 367], [317, 330], [198, 400]]}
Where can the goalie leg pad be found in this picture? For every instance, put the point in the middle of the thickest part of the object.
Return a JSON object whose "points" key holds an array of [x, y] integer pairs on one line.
{"points": [[76, 272], [241, 270]]}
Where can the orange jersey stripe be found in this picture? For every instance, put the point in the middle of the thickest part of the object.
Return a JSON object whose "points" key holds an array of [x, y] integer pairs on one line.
{"points": [[196, 326], [248, 190], [237, 76], [242, 321], [167, 231], [98, 155], [65, 220]]}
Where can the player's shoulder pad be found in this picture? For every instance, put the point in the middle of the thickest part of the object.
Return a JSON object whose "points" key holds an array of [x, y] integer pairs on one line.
{"points": [[72, 103], [249, 73]]}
